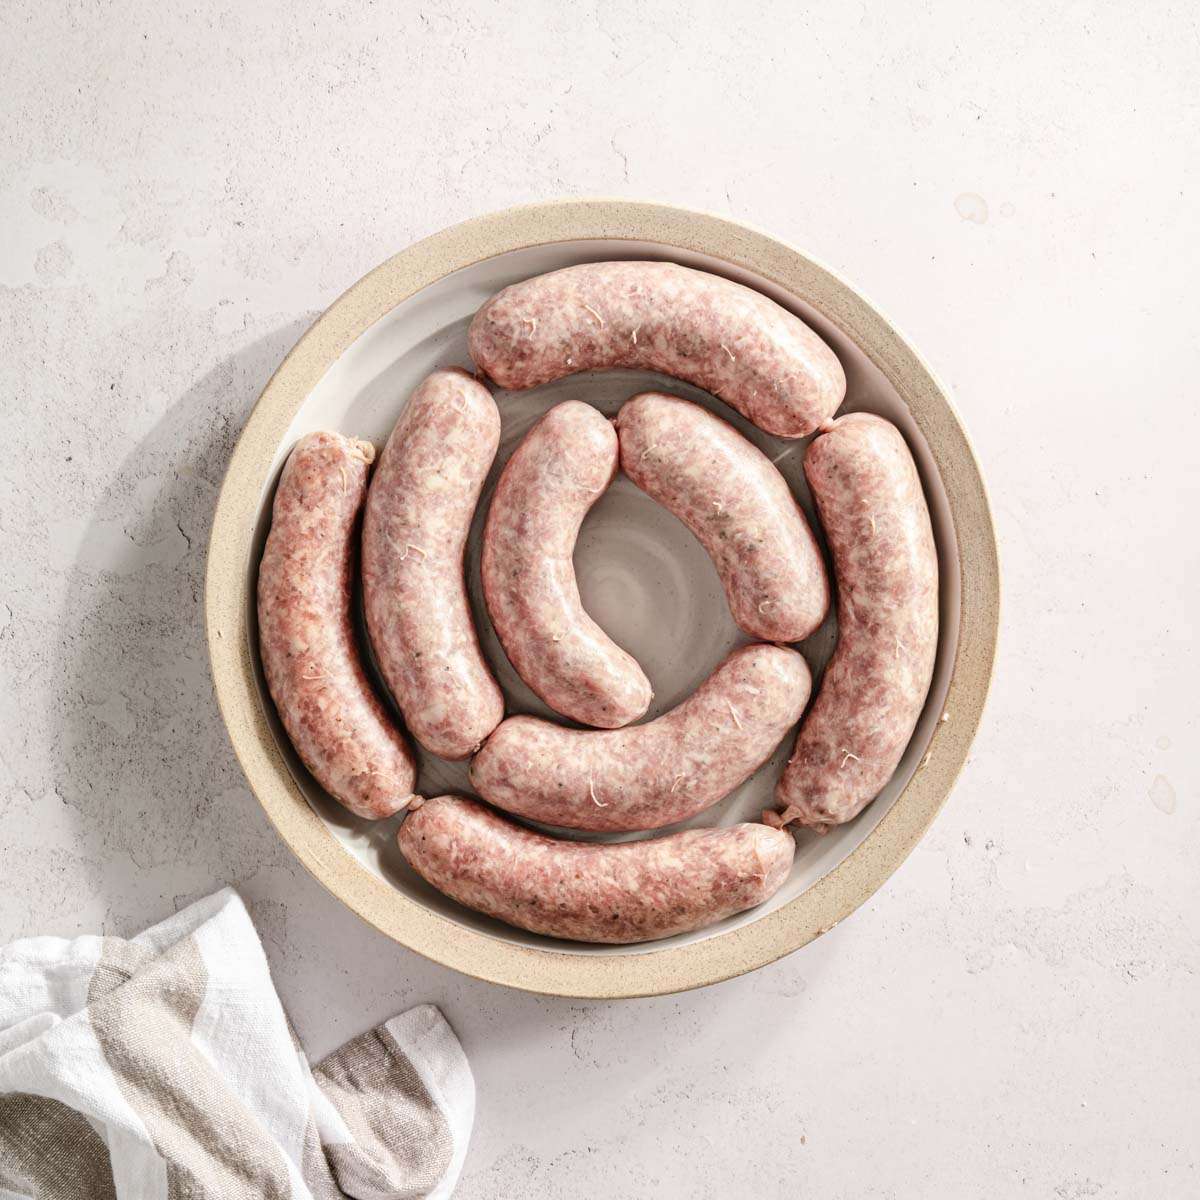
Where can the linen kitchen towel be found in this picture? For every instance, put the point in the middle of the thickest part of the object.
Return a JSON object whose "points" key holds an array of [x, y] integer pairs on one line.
{"points": [[163, 1067]]}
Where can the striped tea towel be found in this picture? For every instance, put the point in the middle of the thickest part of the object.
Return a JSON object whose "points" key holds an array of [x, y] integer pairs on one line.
{"points": [[163, 1067]]}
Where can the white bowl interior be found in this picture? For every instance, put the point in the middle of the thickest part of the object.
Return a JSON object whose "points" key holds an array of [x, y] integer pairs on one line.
{"points": [[642, 575]]}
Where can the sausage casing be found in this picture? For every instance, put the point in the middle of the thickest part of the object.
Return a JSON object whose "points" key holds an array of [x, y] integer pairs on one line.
{"points": [[556, 474], [733, 498], [648, 775], [869, 498], [658, 316], [419, 509], [313, 669], [589, 892]]}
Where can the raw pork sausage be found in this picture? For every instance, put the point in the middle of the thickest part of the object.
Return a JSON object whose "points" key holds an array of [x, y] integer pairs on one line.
{"points": [[337, 724], [556, 474], [629, 892], [419, 509], [730, 495], [649, 775], [869, 498], [658, 316]]}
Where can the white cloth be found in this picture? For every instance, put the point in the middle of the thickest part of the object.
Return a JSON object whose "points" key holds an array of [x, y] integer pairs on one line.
{"points": [[163, 1067]]}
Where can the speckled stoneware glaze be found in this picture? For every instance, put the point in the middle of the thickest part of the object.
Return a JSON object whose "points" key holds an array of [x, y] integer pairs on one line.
{"points": [[641, 575]]}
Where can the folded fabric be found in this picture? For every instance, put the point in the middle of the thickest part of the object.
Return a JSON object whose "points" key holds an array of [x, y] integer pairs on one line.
{"points": [[163, 1067]]}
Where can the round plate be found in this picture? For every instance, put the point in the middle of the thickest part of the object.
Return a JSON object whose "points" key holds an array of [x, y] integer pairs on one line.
{"points": [[641, 575]]}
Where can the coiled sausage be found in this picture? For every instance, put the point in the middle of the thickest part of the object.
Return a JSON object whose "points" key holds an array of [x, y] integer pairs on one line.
{"points": [[731, 496], [419, 509], [658, 316], [556, 474], [629, 892], [314, 673], [649, 775], [869, 498]]}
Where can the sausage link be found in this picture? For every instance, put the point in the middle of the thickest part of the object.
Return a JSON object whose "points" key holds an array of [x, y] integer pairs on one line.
{"points": [[869, 498], [314, 673], [419, 509], [658, 316], [556, 474], [588, 892], [731, 496], [655, 774]]}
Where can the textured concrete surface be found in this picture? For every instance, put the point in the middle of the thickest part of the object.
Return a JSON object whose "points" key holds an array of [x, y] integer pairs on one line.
{"points": [[183, 187]]}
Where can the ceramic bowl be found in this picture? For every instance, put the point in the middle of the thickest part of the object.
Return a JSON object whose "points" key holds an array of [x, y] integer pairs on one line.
{"points": [[642, 576]]}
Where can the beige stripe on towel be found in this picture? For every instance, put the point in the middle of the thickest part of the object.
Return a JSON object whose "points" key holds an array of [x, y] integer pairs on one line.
{"points": [[48, 1149], [210, 1142], [402, 1144]]}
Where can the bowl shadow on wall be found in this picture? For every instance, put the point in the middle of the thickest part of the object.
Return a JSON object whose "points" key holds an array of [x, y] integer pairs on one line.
{"points": [[162, 814]]}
